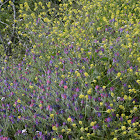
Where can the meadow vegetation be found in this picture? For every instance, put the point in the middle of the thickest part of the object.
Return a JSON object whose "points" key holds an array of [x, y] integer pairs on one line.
{"points": [[79, 77]]}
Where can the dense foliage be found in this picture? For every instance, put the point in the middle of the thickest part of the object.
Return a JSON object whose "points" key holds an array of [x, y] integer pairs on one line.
{"points": [[11, 43], [80, 75]]}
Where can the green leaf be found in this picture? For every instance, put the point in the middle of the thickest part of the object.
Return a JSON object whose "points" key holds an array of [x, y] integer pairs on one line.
{"points": [[104, 59]]}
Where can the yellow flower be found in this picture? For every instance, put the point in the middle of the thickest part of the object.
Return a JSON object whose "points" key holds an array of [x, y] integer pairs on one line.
{"points": [[49, 4], [121, 106], [40, 57], [68, 130], [91, 65], [118, 74], [74, 125], [122, 115], [125, 97], [11, 84], [52, 115], [92, 123], [88, 134], [86, 97], [124, 133], [40, 3], [89, 91], [62, 76], [81, 96], [36, 78], [98, 77], [138, 59], [101, 103], [19, 101], [112, 133], [78, 74], [46, 19], [80, 122], [129, 97], [69, 120], [63, 130], [82, 49], [86, 74], [112, 94], [126, 117], [82, 129], [108, 111], [86, 128], [40, 105], [30, 87], [19, 117], [54, 128], [83, 67], [89, 53], [135, 108], [138, 81], [123, 128]]}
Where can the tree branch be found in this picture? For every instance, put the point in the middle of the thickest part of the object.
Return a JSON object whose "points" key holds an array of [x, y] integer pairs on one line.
{"points": [[14, 16], [4, 3], [4, 23]]}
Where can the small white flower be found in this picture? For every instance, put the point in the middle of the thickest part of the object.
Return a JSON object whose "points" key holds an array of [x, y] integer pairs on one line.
{"points": [[24, 130], [9, 42], [3, 98], [118, 98]]}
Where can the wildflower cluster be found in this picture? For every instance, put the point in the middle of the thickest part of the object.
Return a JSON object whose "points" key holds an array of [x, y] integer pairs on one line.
{"points": [[81, 77]]}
